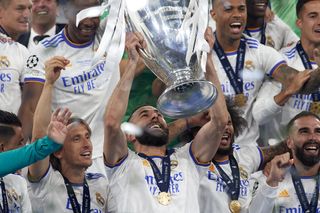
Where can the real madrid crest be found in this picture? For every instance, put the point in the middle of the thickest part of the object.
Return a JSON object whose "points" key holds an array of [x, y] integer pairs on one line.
{"points": [[100, 200], [4, 62], [174, 164], [243, 173], [249, 65], [270, 41]]}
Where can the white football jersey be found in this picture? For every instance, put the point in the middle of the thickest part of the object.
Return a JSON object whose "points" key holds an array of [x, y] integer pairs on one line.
{"points": [[283, 198], [13, 57], [259, 60], [278, 34], [275, 121], [17, 194], [134, 188], [82, 87], [213, 196], [50, 193]]}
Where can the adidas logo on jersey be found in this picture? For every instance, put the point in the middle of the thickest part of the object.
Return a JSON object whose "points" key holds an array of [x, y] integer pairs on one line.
{"points": [[284, 193]]}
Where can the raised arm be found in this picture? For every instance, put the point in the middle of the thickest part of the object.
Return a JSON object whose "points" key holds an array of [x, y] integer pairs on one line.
{"points": [[208, 138], [285, 75], [272, 97], [43, 113], [30, 95], [115, 143]]}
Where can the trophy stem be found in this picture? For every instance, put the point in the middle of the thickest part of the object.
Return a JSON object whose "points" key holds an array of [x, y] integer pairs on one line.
{"points": [[187, 99]]}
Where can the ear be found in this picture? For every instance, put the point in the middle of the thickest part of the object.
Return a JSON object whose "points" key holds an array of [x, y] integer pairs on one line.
{"points": [[299, 23], [213, 14], [58, 154], [289, 143], [131, 138]]}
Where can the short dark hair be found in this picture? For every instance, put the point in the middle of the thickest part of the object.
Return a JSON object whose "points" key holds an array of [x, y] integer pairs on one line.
{"points": [[300, 115], [135, 109], [7, 120], [300, 5], [55, 162]]}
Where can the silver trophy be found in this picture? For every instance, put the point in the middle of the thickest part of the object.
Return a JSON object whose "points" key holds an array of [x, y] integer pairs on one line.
{"points": [[161, 22]]}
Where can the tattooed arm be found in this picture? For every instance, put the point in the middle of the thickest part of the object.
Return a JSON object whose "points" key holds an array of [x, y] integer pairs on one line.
{"points": [[285, 74]]}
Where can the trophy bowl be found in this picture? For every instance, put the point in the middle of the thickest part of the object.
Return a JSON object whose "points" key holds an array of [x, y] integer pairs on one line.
{"points": [[168, 39]]}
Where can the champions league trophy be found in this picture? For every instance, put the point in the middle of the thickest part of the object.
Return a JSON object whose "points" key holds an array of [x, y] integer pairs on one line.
{"points": [[169, 38]]}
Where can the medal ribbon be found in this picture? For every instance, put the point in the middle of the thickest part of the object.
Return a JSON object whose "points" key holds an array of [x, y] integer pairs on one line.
{"points": [[4, 208], [73, 199], [263, 34], [3, 31], [307, 65], [306, 207], [162, 178], [234, 76], [233, 185]]}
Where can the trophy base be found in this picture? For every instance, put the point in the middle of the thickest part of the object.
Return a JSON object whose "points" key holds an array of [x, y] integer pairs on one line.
{"points": [[187, 99]]}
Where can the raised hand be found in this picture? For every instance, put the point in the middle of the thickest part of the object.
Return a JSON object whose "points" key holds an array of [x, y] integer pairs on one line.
{"points": [[134, 41], [279, 166], [53, 68], [298, 81], [208, 35], [57, 129]]}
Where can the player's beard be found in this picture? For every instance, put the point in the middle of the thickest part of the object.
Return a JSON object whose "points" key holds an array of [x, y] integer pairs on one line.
{"points": [[154, 138], [307, 160], [226, 151]]}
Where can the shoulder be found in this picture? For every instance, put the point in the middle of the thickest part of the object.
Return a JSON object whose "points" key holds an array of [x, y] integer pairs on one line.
{"points": [[53, 41], [251, 43], [290, 51]]}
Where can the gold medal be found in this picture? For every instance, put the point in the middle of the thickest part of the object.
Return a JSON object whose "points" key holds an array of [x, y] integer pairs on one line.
{"points": [[240, 100], [315, 107], [235, 206], [164, 198]]}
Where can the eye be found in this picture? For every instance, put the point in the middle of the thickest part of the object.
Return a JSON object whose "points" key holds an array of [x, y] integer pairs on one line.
{"points": [[76, 138]]}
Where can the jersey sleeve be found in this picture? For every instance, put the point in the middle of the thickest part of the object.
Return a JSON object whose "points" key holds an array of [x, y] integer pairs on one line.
{"points": [[263, 196], [265, 108], [23, 55], [34, 67], [289, 36], [270, 58], [249, 153], [27, 155], [186, 153]]}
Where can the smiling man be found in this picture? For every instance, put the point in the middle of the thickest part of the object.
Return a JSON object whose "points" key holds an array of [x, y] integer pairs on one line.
{"points": [[275, 105], [275, 33], [15, 17], [44, 14], [293, 185], [82, 87], [242, 63]]}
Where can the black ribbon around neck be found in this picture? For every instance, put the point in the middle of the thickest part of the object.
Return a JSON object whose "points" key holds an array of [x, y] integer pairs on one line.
{"points": [[307, 65], [234, 77], [5, 207], [162, 178], [263, 38], [73, 199], [306, 206], [39, 38], [234, 184], [3, 31]]}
